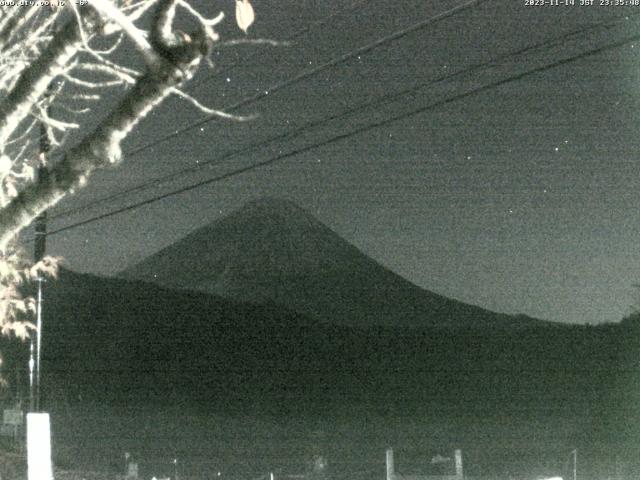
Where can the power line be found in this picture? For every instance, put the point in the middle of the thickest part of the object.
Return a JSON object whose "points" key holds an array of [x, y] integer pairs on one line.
{"points": [[316, 123], [357, 131], [135, 151], [308, 73]]}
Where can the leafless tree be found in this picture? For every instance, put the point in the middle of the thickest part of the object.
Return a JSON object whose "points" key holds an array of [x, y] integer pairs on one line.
{"points": [[58, 53]]}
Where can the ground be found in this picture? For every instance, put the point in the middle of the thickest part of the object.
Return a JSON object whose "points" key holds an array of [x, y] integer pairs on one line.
{"points": [[13, 466]]}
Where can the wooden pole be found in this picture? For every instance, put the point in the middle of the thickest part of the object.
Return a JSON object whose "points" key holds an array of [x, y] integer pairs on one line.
{"points": [[39, 252]]}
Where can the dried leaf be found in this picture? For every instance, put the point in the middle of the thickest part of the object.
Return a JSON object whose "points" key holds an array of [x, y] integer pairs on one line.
{"points": [[20, 329], [20, 306], [244, 14], [5, 164], [28, 172], [10, 187], [31, 305], [47, 267], [5, 269]]}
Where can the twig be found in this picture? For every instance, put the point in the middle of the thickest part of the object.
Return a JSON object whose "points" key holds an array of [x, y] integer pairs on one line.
{"points": [[210, 111]]}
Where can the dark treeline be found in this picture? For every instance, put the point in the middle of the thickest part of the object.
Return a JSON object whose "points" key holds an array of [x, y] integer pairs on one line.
{"points": [[121, 343]]}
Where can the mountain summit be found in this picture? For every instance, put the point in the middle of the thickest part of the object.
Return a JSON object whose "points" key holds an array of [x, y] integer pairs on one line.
{"points": [[273, 251]]}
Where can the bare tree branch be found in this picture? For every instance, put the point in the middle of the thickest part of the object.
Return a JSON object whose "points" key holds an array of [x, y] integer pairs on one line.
{"points": [[36, 78], [211, 111], [103, 146], [46, 60], [109, 12], [252, 41]]}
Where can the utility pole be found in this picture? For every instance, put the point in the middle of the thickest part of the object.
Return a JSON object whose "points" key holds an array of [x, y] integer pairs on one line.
{"points": [[575, 463], [39, 251]]}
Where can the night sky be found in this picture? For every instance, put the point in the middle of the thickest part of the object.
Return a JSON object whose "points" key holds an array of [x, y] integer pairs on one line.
{"points": [[521, 198]]}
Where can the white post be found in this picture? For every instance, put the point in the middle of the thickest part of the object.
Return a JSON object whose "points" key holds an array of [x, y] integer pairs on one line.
{"points": [[132, 471], [39, 447], [390, 468], [459, 473]]}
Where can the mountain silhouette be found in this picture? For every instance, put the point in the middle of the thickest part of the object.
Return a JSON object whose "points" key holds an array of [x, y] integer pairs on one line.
{"points": [[271, 250]]}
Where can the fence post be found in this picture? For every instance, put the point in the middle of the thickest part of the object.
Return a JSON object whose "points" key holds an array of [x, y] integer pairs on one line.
{"points": [[390, 468], [39, 447], [459, 472]]}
